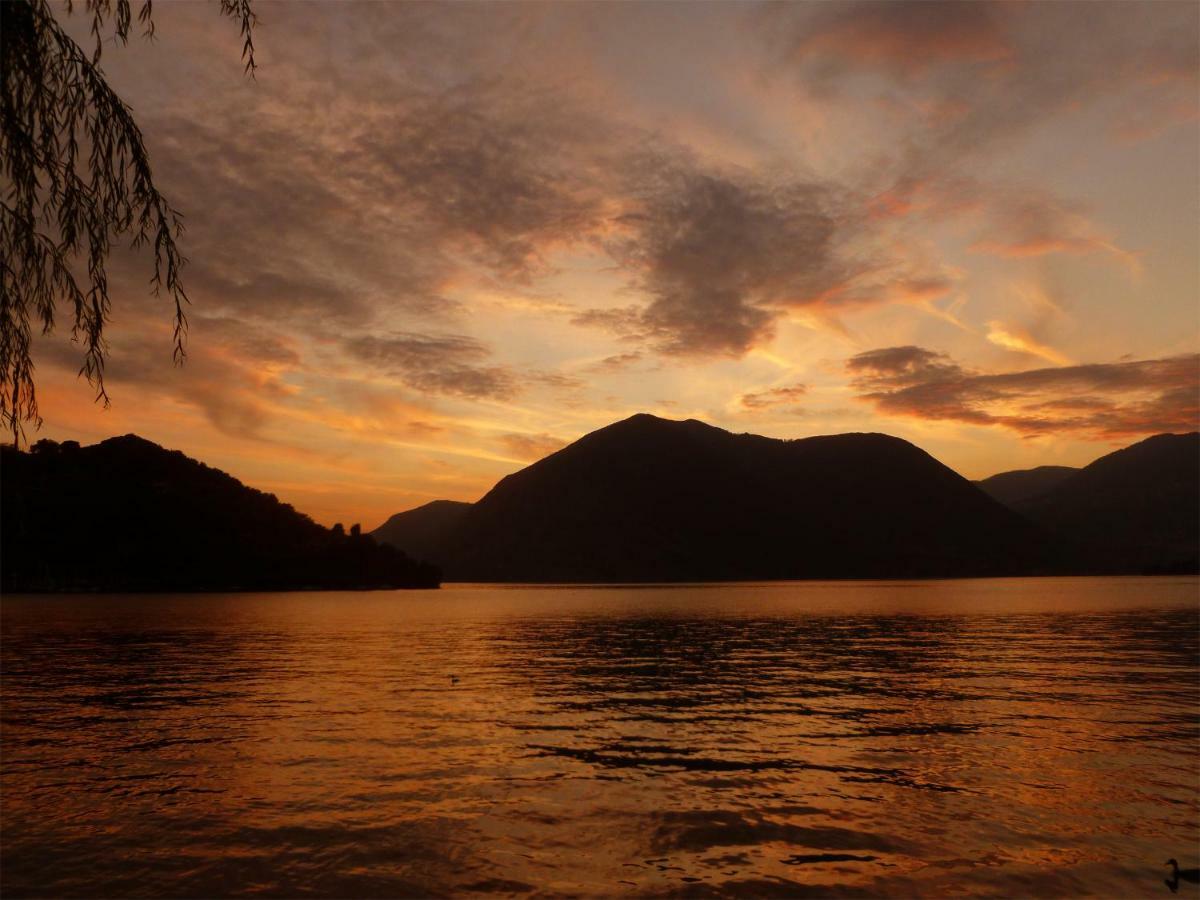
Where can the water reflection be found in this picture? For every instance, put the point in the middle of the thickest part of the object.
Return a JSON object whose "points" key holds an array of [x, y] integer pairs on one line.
{"points": [[678, 741]]}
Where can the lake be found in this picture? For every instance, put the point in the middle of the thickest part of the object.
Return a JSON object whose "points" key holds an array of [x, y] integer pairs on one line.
{"points": [[995, 737]]}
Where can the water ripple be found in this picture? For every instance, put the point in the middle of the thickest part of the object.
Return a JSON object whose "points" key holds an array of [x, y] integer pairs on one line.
{"points": [[976, 738]]}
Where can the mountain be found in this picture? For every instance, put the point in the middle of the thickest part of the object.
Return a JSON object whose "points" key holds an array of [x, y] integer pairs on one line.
{"points": [[421, 532], [649, 499], [127, 515], [1024, 484], [1135, 510]]}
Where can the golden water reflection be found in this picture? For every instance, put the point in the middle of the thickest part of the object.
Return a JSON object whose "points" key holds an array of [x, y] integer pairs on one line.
{"points": [[981, 738]]}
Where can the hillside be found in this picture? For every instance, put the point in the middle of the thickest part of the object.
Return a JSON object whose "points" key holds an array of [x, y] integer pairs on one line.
{"points": [[1024, 484], [421, 532], [127, 515], [648, 499], [1135, 510]]}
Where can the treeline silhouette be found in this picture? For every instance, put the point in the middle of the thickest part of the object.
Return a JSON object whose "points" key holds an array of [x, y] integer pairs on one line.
{"points": [[128, 515]]}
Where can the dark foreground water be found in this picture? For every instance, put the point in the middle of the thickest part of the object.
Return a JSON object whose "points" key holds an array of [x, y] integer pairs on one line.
{"points": [[997, 738]]}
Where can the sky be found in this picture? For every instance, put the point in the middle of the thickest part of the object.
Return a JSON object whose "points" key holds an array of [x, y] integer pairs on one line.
{"points": [[430, 243]]}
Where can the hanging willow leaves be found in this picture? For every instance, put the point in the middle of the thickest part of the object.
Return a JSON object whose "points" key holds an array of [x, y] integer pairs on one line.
{"points": [[75, 177]]}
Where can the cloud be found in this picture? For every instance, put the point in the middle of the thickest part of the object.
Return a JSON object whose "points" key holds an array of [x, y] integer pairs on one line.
{"points": [[618, 362], [376, 205], [532, 446], [904, 39], [441, 364], [1009, 222], [375, 218], [234, 374], [719, 254], [723, 254], [360, 207], [896, 365], [1036, 224], [381, 210], [557, 381], [246, 341], [624, 321], [1096, 401], [277, 231], [778, 396], [957, 85], [1107, 57], [450, 365], [499, 174], [1011, 337]]}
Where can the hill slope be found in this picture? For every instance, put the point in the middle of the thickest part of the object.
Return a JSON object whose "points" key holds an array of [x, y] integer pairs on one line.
{"points": [[1135, 510], [648, 499], [127, 515], [421, 532], [1024, 484]]}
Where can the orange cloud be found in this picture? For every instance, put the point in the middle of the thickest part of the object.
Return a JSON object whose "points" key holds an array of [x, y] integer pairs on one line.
{"points": [[912, 37], [777, 396], [1012, 337], [1097, 401], [891, 204], [1043, 246], [1037, 224]]}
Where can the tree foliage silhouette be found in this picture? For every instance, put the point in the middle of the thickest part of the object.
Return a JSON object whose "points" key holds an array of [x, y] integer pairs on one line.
{"points": [[171, 524], [77, 178]]}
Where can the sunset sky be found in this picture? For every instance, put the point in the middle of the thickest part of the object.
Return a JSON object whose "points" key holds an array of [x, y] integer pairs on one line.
{"points": [[431, 243]]}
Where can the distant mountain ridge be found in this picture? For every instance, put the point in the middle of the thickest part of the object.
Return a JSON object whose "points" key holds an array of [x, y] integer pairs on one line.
{"points": [[1015, 487], [421, 531], [1134, 510], [650, 499], [644, 499], [128, 515]]}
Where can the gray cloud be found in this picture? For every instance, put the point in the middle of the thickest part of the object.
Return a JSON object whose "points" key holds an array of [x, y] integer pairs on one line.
{"points": [[623, 321], [1102, 400], [451, 365], [276, 231], [719, 255], [896, 366], [618, 362], [968, 80], [246, 341], [498, 173], [487, 179], [440, 364], [345, 199], [990, 71], [557, 381], [366, 214], [777, 396], [904, 40]]}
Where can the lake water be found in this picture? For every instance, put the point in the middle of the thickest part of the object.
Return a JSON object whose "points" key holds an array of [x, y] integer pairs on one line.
{"points": [[997, 738]]}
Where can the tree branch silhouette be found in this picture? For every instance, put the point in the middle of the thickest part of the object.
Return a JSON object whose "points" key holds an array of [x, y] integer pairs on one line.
{"points": [[77, 178]]}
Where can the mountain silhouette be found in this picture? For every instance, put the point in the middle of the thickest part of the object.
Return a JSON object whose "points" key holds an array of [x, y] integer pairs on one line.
{"points": [[1135, 510], [650, 499], [1024, 484], [127, 515], [421, 532]]}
